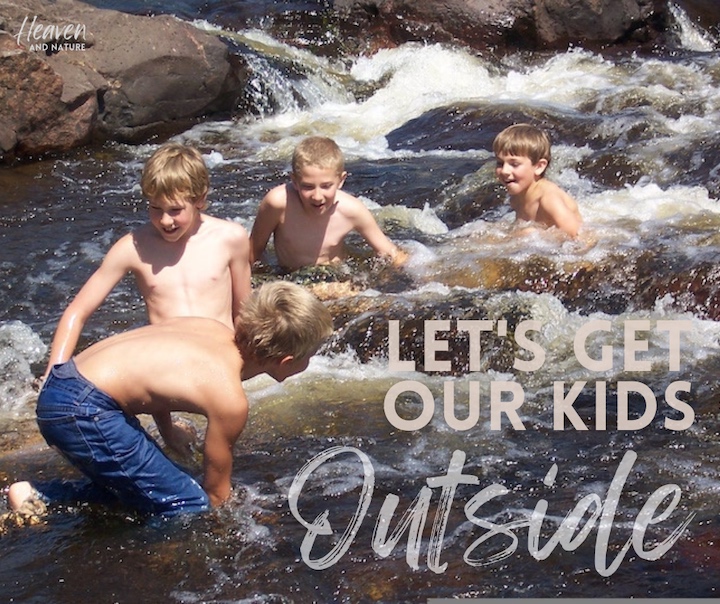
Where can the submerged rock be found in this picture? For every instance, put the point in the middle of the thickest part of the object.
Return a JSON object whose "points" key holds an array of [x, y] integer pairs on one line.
{"points": [[619, 284], [365, 328]]}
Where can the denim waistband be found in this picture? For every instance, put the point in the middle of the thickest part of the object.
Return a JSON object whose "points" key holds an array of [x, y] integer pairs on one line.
{"points": [[65, 383]]}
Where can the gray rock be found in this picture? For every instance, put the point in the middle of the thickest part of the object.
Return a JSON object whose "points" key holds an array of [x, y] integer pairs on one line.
{"points": [[71, 73]]}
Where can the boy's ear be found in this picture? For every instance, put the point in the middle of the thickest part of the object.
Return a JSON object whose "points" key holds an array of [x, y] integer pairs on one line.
{"points": [[540, 167], [200, 202], [343, 176], [287, 359]]}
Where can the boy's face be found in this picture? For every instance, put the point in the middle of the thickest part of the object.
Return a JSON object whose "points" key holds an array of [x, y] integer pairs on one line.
{"points": [[317, 187], [174, 218], [518, 173]]}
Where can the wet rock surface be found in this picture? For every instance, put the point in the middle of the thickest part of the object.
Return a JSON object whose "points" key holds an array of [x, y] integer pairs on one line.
{"points": [[72, 74], [137, 76], [502, 26]]}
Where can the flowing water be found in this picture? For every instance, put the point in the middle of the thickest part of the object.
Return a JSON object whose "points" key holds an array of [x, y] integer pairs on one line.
{"points": [[636, 142]]}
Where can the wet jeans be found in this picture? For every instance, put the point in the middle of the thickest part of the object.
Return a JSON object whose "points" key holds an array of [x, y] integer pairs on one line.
{"points": [[111, 448]]}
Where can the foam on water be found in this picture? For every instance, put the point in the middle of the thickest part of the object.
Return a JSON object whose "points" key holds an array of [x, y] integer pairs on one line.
{"points": [[692, 37], [425, 220], [20, 348]]}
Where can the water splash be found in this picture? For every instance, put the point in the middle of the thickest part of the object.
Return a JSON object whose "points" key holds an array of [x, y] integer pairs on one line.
{"points": [[20, 347], [692, 37]]}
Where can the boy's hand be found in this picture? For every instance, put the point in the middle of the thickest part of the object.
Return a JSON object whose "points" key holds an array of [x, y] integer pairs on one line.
{"points": [[399, 257], [38, 382], [181, 438]]}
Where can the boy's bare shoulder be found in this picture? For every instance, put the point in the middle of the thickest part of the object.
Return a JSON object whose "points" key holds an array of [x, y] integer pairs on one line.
{"points": [[227, 229], [277, 197], [549, 189], [210, 356], [350, 206], [128, 248], [142, 234]]}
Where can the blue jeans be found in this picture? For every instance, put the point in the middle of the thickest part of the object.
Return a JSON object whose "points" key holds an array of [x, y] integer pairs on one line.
{"points": [[111, 448]]}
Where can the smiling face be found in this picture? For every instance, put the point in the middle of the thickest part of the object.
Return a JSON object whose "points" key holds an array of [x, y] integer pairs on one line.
{"points": [[317, 187], [518, 173], [175, 219]]}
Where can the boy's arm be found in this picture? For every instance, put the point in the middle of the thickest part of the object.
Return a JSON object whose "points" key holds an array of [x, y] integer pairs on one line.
{"points": [[178, 437], [222, 432], [365, 224], [240, 269], [113, 268], [268, 216], [558, 206]]}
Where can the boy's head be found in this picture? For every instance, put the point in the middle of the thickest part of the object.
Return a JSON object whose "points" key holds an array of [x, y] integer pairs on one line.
{"points": [[282, 324], [174, 172], [320, 152], [318, 171], [523, 140]]}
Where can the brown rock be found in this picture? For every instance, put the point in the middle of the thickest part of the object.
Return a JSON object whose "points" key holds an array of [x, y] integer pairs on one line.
{"points": [[30, 96], [70, 72], [600, 22], [503, 25]]}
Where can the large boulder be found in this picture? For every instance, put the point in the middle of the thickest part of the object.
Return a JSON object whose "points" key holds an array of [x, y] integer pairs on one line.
{"points": [[502, 25], [70, 73], [702, 12]]}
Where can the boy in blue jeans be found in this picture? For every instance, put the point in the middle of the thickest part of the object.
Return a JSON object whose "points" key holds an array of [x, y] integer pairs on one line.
{"points": [[88, 405]]}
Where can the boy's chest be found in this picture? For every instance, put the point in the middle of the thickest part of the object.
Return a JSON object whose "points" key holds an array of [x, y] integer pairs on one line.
{"points": [[302, 231], [195, 269], [526, 208]]}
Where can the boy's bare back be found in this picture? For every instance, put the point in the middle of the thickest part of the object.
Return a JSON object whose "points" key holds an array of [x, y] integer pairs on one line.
{"points": [[190, 364], [186, 364]]}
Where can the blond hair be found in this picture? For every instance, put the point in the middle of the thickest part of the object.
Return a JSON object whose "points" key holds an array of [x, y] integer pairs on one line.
{"points": [[523, 140], [282, 319], [319, 151], [175, 171]]}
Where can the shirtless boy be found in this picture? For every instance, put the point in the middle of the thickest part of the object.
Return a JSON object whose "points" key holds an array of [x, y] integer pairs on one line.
{"points": [[523, 156], [88, 405], [185, 262], [310, 216]]}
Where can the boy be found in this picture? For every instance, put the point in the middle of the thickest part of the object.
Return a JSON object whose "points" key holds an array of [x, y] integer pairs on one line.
{"points": [[87, 406], [310, 216], [523, 156], [185, 263]]}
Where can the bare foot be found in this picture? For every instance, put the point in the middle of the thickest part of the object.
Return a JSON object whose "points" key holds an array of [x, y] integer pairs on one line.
{"points": [[27, 509], [23, 498]]}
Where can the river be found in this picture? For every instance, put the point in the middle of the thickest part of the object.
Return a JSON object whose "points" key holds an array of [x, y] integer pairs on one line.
{"points": [[635, 141]]}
